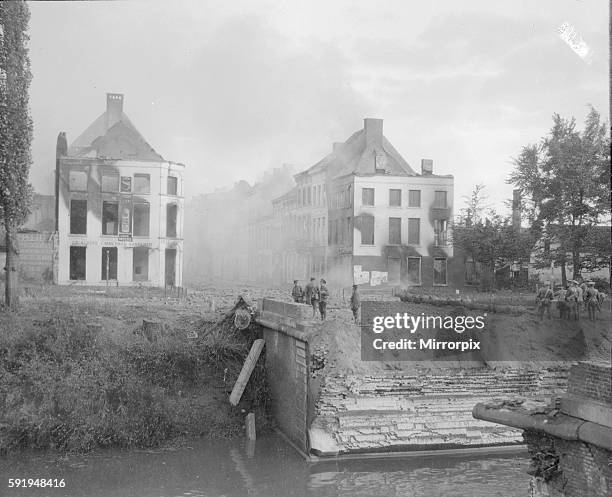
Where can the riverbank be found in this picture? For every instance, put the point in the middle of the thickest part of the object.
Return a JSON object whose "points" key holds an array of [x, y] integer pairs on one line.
{"points": [[78, 373]]}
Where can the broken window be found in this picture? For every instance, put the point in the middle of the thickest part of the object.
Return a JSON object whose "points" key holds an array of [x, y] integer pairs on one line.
{"points": [[395, 197], [78, 217], [439, 271], [367, 230], [395, 231], [140, 264], [142, 183], [440, 200], [367, 196], [126, 184], [172, 185], [414, 270], [77, 262], [414, 230], [109, 263], [171, 212], [414, 198], [110, 217], [78, 181], [440, 232], [110, 183], [141, 219]]}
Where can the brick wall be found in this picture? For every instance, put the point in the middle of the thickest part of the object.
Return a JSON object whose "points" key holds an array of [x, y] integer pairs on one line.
{"points": [[582, 469], [591, 380], [400, 412]]}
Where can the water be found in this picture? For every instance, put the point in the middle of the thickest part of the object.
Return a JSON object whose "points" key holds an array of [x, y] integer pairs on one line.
{"points": [[270, 468]]}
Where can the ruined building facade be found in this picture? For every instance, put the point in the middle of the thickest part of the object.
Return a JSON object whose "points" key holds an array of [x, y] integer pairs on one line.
{"points": [[119, 206], [363, 215]]}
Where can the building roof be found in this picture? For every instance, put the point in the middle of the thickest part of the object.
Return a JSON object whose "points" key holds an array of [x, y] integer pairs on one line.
{"points": [[113, 136], [364, 153]]}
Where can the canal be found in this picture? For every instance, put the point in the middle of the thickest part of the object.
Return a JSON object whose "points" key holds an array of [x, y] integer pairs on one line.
{"points": [[269, 468]]}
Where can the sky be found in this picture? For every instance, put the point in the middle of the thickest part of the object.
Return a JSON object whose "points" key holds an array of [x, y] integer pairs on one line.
{"points": [[232, 89]]}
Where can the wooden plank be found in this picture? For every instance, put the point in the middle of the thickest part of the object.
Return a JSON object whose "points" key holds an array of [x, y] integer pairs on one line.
{"points": [[250, 426], [247, 369]]}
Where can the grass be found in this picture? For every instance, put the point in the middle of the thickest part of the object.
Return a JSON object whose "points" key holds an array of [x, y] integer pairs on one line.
{"points": [[70, 386]]}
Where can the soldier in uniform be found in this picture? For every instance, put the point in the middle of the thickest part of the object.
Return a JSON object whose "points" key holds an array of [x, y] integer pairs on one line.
{"points": [[323, 296], [591, 299], [297, 293], [544, 299], [312, 296], [571, 298]]}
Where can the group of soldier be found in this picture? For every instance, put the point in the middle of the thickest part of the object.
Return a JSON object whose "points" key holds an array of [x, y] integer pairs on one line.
{"points": [[317, 296], [570, 300]]}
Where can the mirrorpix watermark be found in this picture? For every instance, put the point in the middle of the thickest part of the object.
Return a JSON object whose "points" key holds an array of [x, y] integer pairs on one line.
{"points": [[393, 331]]}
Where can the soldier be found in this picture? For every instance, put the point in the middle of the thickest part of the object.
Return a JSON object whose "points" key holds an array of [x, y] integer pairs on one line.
{"points": [[355, 304], [591, 299], [561, 304], [323, 295], [571, 299], [312, 296], [544, 299], [297, 293]]}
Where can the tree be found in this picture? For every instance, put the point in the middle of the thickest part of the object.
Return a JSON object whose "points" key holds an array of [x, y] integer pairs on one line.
{"points": [[15, 133], [491, 241], [567, 180]]}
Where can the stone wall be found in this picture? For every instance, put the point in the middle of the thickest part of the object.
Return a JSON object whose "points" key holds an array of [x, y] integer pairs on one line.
{"points": [[393, 411], [287, 366]]}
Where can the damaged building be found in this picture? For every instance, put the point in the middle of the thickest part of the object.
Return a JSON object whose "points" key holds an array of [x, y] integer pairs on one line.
{"points": [[119, 206], [363, 215]]}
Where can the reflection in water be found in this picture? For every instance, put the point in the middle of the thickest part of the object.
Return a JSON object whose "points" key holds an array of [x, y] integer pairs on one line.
{"points": [[269, 468]]}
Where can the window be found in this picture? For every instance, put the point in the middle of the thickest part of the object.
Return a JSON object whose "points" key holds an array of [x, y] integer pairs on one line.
{"points": [[110, 183], [308, 196], [78, 181], [109, 263], [367, 230], [395, 197], [126, 184], [414, 230], [414, 198], [171, 212], [78, 217], [395, 231], [439, 271], [142, 183], [141, 219], [172, 185], [414, 270], [440, 200], [440, 232], [367, 196], [110, 217], [140, 264], [77, 262], [349, 231]]}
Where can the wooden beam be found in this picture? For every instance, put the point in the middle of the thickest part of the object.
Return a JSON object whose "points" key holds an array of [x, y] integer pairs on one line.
{"points": [[247, 369]]}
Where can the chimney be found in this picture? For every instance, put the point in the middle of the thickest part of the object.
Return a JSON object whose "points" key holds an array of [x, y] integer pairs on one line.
{"points": [[114, 109], [516, 209], [373, 131], [61, 150], [426, 167]]}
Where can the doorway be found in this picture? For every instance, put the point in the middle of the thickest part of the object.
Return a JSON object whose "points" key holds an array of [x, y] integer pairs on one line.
{"points": [[170, 267]]}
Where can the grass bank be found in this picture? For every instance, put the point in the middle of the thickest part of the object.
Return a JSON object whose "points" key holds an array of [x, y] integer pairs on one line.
{"points": [[70, 386]]}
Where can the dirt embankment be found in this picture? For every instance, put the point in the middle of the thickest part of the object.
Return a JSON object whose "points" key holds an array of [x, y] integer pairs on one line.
{"points": [[508, 340]]}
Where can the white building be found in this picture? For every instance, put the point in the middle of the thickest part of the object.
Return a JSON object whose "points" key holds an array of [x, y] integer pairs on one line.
{"points": [[119, 206]]}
